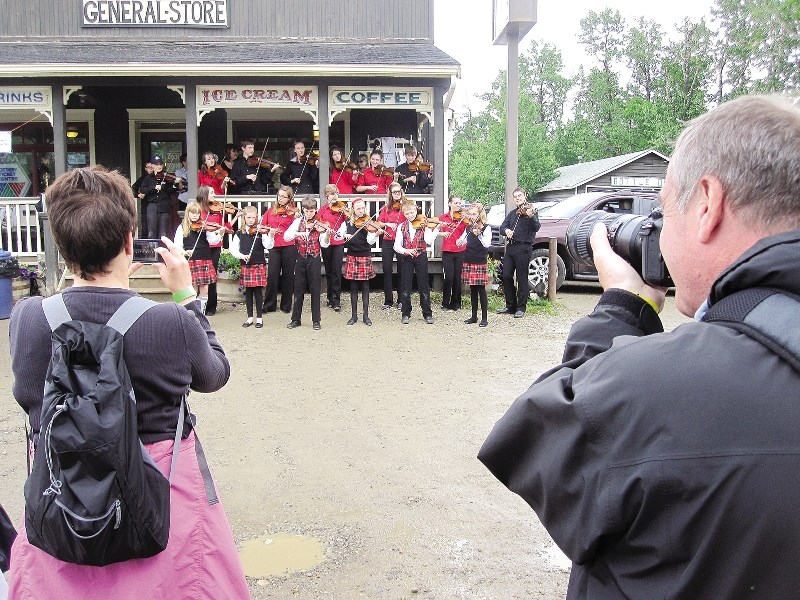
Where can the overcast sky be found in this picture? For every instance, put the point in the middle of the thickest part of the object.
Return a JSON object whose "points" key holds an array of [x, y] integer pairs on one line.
{"points": [[464, 31]]}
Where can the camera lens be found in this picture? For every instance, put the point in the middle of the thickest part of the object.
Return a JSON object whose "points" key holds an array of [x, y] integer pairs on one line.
{"points": [[623, 235]]}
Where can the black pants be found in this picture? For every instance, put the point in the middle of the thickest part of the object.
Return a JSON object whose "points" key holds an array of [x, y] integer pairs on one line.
{"points": [[157, 222], [387, 255], [409, 265], [307, 274], [357, 285], [332, 258], [451, 266], [253, 294], [477, 294], [211, 307], [280, 274], [516, 261]]}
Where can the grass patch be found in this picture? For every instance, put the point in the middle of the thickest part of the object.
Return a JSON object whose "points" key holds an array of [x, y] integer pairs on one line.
{"points": [[536, 306]]}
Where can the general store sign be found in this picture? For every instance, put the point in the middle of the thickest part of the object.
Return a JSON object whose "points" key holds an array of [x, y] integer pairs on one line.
{"points": [[25, 97], [155, 13], [342, 98], [246, 96]]}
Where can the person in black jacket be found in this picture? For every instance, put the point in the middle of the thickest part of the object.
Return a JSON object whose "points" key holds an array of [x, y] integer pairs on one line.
{"points": [[249, 176], [155, 191], [411, 175], [519, 227], [665, 465], [301, 171]]}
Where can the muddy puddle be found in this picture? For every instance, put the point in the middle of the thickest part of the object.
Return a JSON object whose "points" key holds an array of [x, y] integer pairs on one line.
{"points": [[280, 554]]}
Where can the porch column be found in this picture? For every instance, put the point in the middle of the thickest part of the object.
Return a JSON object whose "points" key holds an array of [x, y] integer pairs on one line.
{"points": [[59, 130], [324, 140], [192, 148], [438, 142]]}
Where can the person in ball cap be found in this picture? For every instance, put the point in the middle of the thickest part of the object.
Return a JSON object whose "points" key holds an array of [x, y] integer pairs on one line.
{"points": [[157, 190]]}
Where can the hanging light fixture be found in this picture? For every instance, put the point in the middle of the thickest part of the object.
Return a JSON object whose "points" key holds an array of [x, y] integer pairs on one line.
{"points": [[72, 132]]}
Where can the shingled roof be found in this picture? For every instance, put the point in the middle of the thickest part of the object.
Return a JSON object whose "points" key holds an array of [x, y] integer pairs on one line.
{"points": [[573, 176], [233, 57]]}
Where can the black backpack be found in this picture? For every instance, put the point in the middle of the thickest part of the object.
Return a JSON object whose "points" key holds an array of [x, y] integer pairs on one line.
{"points": [[94, 495]]}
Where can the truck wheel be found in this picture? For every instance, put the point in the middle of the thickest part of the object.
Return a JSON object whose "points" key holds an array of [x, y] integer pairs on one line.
{"points": [[538, 268]]}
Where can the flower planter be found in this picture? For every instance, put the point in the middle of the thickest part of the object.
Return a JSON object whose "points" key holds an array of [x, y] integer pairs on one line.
{"points": [[228, 288]]}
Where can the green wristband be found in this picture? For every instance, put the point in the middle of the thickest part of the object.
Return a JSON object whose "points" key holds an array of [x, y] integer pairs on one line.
{"points": [[183, 294]]}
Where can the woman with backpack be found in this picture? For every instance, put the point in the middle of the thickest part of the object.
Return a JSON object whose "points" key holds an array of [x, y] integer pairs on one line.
{"points": [[169, 348]]}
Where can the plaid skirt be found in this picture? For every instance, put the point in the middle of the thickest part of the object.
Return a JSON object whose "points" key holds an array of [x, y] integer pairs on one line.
{"points": [[253, 276], [203, 272], [475, 274], [359, 268]]}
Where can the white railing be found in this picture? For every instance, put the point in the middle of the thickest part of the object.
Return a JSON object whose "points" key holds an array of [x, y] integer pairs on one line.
{"points": [[374, 204], [20, 231]]}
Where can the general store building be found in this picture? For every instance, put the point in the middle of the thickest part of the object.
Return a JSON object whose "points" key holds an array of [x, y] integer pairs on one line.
{"points": [[113, 82]]}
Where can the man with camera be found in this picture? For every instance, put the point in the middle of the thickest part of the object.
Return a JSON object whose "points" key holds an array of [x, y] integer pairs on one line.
{"points": [[667, 465]]}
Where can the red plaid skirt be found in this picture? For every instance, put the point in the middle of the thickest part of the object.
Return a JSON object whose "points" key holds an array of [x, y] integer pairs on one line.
{"points": [[475, 274], [359, 268], [203, 272], [253, 276]]}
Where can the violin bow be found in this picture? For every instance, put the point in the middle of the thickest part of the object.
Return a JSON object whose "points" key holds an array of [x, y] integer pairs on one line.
{"points": [[305, 164], [259, 161], [343, 166]]}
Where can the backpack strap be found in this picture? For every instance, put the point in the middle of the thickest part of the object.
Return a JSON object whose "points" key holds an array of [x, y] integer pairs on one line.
{"points": [[129, 312], [769, 316], [55, 311]]}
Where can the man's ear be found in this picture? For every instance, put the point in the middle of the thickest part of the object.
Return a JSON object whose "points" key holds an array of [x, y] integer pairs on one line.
{"points": [[129, 244], [710, 207]]}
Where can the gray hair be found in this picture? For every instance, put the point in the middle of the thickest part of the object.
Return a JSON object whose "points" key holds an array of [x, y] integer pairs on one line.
{"points": [[752, 145]]}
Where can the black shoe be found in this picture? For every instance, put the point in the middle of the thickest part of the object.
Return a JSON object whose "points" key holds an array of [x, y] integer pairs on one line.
{"points": [[210, 313], [286, 310], [329, 304], [259, 324], [404, 320], [317, 325], [429, 320], [398, 305], [386, 306], [483, 323], [352, 320], [293, 324], [247, 324], [337, 308], [471, 320], [445, 307], [519, 314], [367, 321], [266, 310], [504, 311]]}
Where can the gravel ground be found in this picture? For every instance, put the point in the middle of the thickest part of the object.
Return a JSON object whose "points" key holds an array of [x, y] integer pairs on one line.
{"points": [[365, 439]]}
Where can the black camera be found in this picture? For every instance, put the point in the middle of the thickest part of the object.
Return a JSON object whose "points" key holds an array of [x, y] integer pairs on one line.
{"points": [[633, 237], [144, 251]]}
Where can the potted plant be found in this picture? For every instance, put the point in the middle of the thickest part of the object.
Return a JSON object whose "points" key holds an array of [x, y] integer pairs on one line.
{"points": [[228, 272]]}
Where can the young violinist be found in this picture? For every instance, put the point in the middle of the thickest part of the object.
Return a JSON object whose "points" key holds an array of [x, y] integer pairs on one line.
{"points": [[206, 199], [229, 157], [374, 180], [344, 175], [148, 170], [362, 233], [411, 244], [301, 171], [453, 247], [249, 175], [182, 181], [194, 237], [248, 246], [310, 235], [156, 191], [519, 227], [335, 213], [283, 255], [213, 174], [413, 174], [477, 238], [392, 215]]}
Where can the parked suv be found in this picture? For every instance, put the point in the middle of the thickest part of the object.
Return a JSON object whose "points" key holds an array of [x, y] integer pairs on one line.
{"points": [[556, 220]]}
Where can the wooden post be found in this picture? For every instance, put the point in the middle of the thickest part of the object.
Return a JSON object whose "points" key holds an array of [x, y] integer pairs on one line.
{"points": [[552, 269]]}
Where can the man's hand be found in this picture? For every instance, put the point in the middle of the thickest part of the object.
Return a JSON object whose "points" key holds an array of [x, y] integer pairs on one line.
{"points": [[174, 271], [615, 272]]}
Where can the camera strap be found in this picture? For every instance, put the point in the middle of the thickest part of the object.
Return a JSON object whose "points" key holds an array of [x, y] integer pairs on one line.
{"points": [[769, 316]]}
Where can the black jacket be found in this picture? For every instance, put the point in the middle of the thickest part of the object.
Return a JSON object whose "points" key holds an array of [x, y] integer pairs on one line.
{"points": [[308, 175], [666, 465], [524, 228], [420, 187], [161, 197]]}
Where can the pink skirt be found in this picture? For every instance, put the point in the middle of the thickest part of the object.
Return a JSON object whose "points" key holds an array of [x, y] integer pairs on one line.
{"points": [[199, 562]]}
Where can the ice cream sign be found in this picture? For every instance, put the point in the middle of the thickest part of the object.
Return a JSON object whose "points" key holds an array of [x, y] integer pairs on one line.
{"points": [[14, 182]]}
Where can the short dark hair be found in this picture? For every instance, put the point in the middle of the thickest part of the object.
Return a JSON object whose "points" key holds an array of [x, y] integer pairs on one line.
{"points": [[91, 213], [244, 143], [309, 202], [376, 151]]}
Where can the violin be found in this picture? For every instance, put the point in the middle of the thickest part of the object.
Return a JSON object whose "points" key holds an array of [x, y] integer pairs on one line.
{"points": [[201, 226], [163, 176], [217, 172], [264, 163], [257, 229], [422, 167], [370, 224], [309, 159], [339, 207], [347, 167], [526, 209], [457, 215], [218, 207], [287, 211], [397, 205], [421, 221], [383, 171]]}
